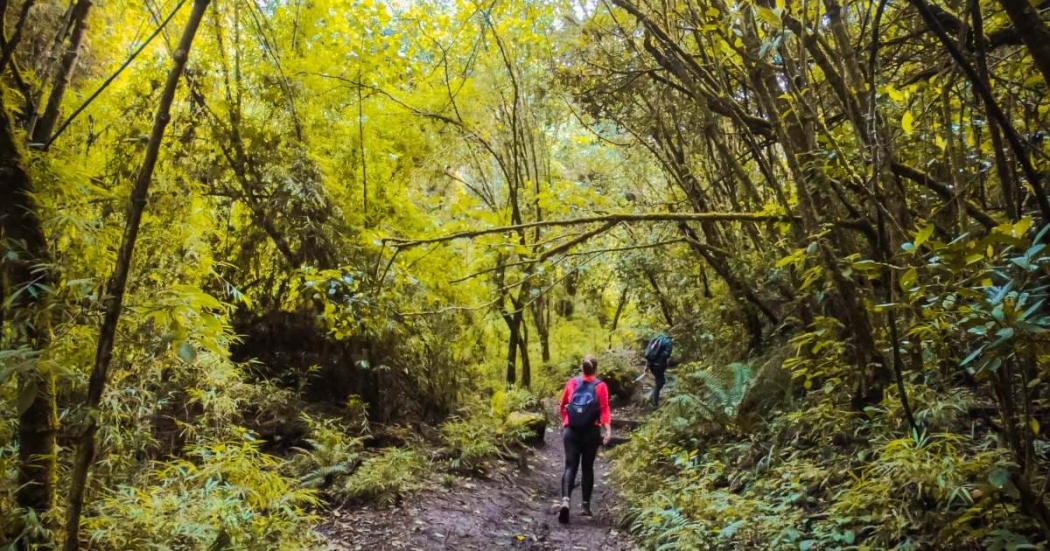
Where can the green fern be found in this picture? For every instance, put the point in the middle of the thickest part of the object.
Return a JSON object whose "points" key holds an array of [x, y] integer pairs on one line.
{"points": [[329, 456], [323, 477], [723, 388], [384, 478]]}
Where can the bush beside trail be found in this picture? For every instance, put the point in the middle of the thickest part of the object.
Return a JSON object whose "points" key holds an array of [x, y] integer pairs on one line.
{"points": [[740, 456]]}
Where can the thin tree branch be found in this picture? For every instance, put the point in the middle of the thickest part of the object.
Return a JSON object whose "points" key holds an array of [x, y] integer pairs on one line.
{"points": [[113, 77], [616, 218], [982, 88]]}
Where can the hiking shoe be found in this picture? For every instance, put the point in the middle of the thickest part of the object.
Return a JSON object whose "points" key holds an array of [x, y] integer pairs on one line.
{"points": [[563, 512], [586, 510]]}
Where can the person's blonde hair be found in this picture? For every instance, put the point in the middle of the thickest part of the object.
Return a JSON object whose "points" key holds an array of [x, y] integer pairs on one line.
{"points": [[589, 365]]}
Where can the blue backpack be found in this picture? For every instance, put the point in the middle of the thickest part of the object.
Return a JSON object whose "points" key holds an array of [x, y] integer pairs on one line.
{"points": [[583, 407]]}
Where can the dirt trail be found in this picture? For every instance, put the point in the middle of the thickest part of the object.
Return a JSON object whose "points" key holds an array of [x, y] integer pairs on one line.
{"points": [[511, 508]]}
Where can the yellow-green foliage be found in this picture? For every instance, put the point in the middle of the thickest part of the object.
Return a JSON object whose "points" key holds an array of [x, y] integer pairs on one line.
{"points": [[921, 483], [480, 433], [872, 220], [332, 454], [505, 402], [818, 476], [385, 477], [222, 492], [471, 442]]}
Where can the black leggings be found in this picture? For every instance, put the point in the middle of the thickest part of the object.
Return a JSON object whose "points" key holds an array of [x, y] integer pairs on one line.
{"points": [[658, 372], [580, 444]]}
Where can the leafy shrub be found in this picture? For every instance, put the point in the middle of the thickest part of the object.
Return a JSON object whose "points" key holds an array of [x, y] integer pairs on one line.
{"points": [[331, 456], [619, 368], [819, 475], [917, 489], [225, 493], [356, 411], [480, 433], [471, 442], [386, 477], [718, 390], [505, 402]]}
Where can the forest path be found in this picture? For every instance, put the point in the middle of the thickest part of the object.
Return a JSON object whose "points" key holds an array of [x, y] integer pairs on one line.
{"points": [[512, 508]]}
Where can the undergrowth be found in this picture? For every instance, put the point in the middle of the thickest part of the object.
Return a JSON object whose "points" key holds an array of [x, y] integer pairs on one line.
{"points": [[222, 495], [335, 461], [715, 469], [385, 477], [482, 431]]}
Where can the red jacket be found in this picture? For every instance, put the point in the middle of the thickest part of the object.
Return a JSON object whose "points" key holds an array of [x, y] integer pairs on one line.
{"points": [[601, 391]]}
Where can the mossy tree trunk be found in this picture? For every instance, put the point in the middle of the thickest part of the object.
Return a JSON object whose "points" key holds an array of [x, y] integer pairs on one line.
{"points": [[25, 247]]}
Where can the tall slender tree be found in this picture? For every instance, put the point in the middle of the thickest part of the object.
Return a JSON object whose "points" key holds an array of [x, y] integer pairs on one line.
{"points": [[117, 284]]}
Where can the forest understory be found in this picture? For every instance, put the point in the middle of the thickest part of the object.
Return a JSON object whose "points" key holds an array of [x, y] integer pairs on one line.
{"points": [[296, 274], [513, 507]]}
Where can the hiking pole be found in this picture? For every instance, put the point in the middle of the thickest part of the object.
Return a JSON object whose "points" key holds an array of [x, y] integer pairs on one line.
{"points": [[639, 378]]}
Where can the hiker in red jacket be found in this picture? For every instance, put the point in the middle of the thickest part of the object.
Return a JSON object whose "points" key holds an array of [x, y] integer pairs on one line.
{"points": [[584, 411]]}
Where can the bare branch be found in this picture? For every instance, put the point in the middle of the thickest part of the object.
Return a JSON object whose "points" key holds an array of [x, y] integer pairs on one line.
{"points": [[608, 218]]}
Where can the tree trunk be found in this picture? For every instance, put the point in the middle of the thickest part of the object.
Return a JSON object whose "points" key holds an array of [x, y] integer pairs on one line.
{"points": [[526, 366], [38, 422], [540, 309], [1033, 31], [619, 311], [1007, 183], [795, 132], [665, 306], [707, 284], [118, 282], [33, 102], [513, 323], [16, 36], [46, 124], [567, 306]]}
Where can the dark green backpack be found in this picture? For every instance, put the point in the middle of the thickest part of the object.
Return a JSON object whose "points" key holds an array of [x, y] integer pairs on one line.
{"points": [[656, 346]]}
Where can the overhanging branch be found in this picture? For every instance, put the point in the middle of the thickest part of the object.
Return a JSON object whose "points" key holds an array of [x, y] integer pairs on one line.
{"points": [[606, 218], [944, 191]]}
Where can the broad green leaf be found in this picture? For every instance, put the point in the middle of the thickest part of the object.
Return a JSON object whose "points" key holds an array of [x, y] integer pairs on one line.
{"points": [[908, 280], [973, 355], [923, 234], [26, 396], [767, 15]]}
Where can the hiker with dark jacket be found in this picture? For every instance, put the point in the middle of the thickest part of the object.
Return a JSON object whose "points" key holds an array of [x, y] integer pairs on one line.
{"points": [[585, 420], [657, 353]]}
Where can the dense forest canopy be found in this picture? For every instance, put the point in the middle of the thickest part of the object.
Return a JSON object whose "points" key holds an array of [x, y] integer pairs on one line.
{"points": [[260, 258]]}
